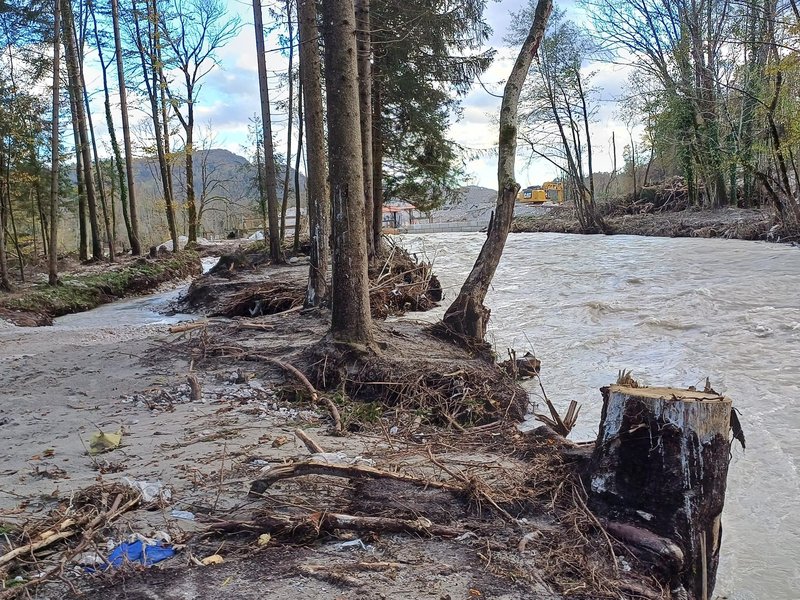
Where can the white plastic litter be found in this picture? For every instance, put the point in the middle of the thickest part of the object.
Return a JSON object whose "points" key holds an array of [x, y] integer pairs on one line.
{"points": [[340, 458], [183, 514], [150, 490], [356, 543]]}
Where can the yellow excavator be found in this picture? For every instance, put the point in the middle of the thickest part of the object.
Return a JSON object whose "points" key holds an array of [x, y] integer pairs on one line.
{"points": [[549, 191]]}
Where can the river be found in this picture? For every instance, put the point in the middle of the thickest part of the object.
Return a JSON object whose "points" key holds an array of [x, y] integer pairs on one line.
{"points": [[673, 311]]}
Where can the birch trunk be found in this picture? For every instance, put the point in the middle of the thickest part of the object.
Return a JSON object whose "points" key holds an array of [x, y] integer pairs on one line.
{"points": [[467, 316]]}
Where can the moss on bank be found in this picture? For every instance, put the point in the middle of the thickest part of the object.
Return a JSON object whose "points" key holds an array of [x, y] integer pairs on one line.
{"points": [[39, 304]]}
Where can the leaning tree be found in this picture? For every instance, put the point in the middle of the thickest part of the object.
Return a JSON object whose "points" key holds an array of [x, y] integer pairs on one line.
{"points": [[467, 316]]}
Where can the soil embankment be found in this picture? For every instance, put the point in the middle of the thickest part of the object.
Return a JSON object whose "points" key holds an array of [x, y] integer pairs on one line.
{"points": [[729, 223]]}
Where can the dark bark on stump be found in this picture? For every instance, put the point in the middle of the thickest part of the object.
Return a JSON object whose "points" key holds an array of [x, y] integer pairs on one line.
{"points": [[660, 463]]}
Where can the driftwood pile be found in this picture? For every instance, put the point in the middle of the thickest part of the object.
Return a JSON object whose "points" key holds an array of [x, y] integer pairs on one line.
{"points": [[237, 287], [70, 529]]}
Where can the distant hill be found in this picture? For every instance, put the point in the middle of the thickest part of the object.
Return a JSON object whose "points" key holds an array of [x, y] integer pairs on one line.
{"points": [[474, 203], [226, 186]]}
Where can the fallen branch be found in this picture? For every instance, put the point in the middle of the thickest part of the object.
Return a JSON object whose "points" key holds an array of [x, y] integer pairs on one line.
{"points": [[256, 326], [310, 443], [420, 525], [259, 486], [315, 523], [658, 548], [183, 327], [315, 397]]}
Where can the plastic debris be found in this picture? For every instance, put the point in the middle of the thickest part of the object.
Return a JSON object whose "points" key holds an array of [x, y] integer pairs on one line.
{"points": [[183, 514], [90, 559], [137, 552], [465, 536], [340, 458], [150, 490], [214, 559], [356, 543], [264, 539], [103, 441]]}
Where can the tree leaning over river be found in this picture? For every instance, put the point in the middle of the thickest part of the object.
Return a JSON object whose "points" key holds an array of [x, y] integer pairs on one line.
{"points": [[468, 316]]}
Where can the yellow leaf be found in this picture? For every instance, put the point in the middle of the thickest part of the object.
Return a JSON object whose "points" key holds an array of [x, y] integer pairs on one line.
{"points": [[103, 442]]}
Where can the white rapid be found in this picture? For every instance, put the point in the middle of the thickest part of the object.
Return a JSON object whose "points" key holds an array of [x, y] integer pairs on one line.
{"points": [[674, 311]]}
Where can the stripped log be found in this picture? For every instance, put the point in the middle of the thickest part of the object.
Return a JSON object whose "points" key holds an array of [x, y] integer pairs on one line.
{"points": [[259, 486], [660, 463], [312, 524]]}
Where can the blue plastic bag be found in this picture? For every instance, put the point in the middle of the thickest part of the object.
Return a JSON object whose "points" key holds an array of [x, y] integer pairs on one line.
{"points": [[137, 552]]}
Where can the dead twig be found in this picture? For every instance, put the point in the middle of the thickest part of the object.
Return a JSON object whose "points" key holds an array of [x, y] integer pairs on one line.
{"points": [[310, 443], [259, 486]]}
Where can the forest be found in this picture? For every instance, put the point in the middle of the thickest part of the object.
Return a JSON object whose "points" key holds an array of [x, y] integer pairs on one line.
{"points": [[711, 100]]}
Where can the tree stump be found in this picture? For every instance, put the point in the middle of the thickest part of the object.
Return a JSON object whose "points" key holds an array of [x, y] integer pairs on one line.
{"points": [[660, 463]]}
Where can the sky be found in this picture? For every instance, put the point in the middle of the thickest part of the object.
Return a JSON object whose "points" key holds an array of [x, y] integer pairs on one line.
{"points": [[230, 99]]}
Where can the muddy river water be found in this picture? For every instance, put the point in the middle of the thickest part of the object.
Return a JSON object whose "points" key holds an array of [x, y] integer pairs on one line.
{"points": [[673, 311]]}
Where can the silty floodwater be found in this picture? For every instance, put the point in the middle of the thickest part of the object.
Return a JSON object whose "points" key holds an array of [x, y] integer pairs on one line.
{"points": [[674, 311]]}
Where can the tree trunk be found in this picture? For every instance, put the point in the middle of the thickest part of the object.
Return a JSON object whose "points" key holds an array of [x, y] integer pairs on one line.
{"points": [[133, 236], [317, 173], [5, 281], [151, 81], [83, 254], [52, 257], [270, 178], [377, 151], [467, 316], [351, 322], [262, 193], [286, 172], [73, 68], [296, 241], [160, 82], [113, 137], [364, 38], [191, 205], [660, 463], [100, 186]]}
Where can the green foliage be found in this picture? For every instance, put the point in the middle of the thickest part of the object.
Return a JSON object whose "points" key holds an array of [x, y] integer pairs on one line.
{"points": [[426, 57]]}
